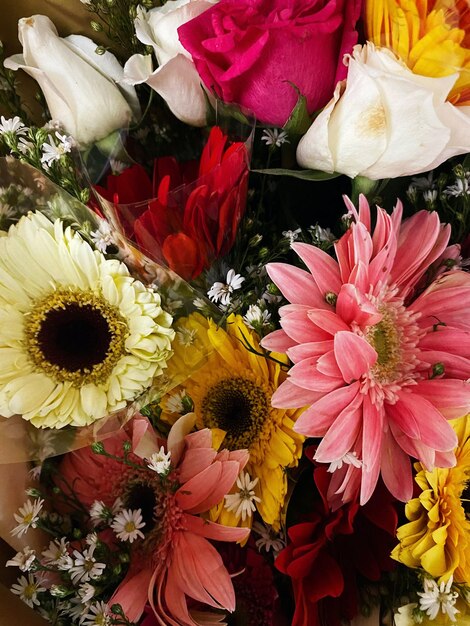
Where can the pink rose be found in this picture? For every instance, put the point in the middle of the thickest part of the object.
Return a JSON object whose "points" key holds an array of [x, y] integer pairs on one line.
{"points": [[251, 52]]}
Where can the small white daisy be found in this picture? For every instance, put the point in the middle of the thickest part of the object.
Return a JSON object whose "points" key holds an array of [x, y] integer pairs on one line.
{"points": [[430, 195], [186, 336], [255, 270], [350, 458], [178, 402], [53, 152], [172, 306], [160, 462], [91, 539], [127, 524], [242, 503], [99, 513], [86, 592], [437, 598], [27, 516], [97, 615], [271, 298], [200, 303], [321, 235], [25, 146], [12, 125], [268, 539], [56, 552], [256, 317], [423, 183], [103, 237], [461, 188], [222, 292], [274, 137], [85, 566], [117, 166], [291, 235], [23, 559], [27, 589]]}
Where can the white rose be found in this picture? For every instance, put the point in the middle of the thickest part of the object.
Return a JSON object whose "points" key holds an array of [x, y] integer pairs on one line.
{"points": [[384, 121], [176, 78], [79, 85]]}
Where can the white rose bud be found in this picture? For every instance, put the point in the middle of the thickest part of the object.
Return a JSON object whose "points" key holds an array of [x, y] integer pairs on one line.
{"points": [[80, 86], [176, 78], [384, 121]]}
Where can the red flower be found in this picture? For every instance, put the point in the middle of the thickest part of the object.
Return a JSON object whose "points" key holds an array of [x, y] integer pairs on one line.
{"points": [[194, 214], [330, 548]]}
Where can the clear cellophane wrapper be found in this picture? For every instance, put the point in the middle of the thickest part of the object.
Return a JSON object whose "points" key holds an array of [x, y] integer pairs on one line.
{"points": [[20, 441]]}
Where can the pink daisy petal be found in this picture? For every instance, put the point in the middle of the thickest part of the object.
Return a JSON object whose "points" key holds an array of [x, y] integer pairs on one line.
{"points": [[311, 349], [455, 366], [288, 395], [296, 285], [448, 340], [300, 328], [362, 244], [433, 429], [373, 420], [412, 261], [278, 341], [207, 488], [327, 364], [396, 469], [132, 593], [354, 355], [353, 306], [211, 530], [305, 374], [193, 579], [414, 447], [195, 461], [328, 321], [315, 421], [450, 397], [341, 437], [324, 269]]}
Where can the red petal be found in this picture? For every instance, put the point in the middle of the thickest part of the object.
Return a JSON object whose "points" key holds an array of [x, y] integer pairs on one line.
{"points": [[183, 256]]}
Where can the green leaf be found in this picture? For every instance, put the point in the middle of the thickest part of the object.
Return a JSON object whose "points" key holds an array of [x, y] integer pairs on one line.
{"points": [[302, 174], [299, 121]]}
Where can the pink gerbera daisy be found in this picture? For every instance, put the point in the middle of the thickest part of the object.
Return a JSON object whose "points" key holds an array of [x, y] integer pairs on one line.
{"points": [[382, 363], [174, 561]]}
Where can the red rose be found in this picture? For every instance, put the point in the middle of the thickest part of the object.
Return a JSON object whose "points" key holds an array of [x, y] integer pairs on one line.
{"points": [[251, 52]]}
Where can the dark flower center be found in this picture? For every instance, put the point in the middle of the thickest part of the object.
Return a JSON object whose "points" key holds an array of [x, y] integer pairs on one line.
{"points": [[238, 406], [75, 336], [141, 496]]}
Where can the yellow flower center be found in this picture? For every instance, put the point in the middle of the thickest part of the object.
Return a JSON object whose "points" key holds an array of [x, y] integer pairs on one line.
{"points": [[75, 336], [431, 36], [238, 406], [384, 338]]}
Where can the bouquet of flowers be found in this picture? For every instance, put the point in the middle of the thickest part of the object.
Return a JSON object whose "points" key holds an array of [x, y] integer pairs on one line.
{"points": [[234, 295]]}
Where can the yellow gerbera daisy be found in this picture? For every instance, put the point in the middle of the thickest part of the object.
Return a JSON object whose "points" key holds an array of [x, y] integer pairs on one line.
{"points": [[437, 537], [79, 336], [431, 36], [232, 393]]}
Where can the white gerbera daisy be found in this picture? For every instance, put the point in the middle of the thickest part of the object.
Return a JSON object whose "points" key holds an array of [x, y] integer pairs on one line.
{"points": [[79, 337]]}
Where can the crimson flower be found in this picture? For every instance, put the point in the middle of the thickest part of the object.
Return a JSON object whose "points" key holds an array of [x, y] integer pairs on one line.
{"points": [[195, 209], [329, 549]]}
